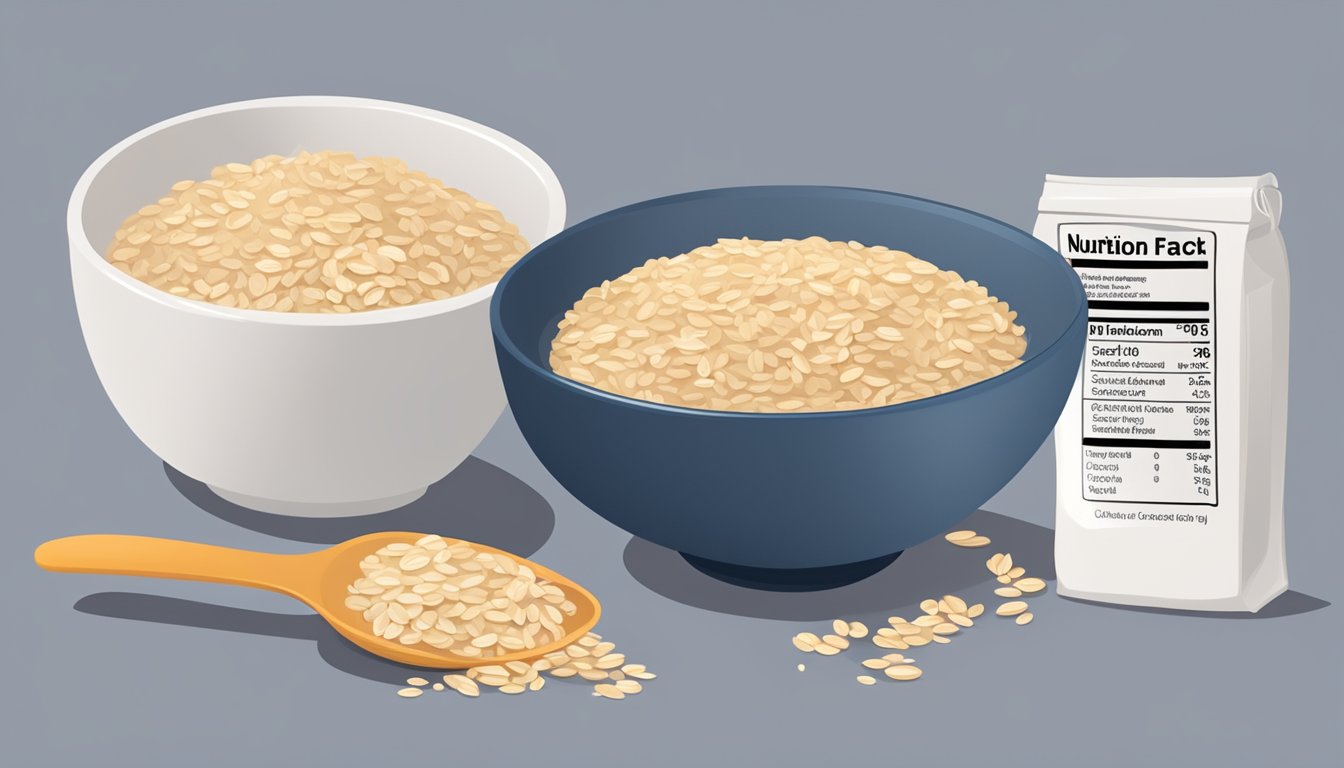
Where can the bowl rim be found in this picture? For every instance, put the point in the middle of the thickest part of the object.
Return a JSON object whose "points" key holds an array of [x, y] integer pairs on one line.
{"points": [[965, 215], [81, 244]]}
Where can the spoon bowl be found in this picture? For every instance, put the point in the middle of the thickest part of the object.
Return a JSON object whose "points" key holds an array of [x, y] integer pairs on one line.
{"points": [[318, 579]]}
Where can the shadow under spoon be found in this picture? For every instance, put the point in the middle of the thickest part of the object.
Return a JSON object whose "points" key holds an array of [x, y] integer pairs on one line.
{"points": [[318, 579]]}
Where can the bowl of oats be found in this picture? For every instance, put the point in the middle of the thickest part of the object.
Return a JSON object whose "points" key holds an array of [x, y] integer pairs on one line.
{"points": [[788, 385], [287, 299]]}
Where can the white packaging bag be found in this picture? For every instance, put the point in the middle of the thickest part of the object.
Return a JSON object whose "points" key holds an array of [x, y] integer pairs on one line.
{"points": [[1170, 452]]}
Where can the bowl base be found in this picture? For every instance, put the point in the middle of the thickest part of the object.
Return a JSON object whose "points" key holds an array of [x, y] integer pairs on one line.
{"points": [[318, 509], [790, 579]]}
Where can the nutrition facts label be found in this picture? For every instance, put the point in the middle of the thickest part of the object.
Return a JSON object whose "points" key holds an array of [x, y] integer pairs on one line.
{"points": [[1149, 369]]}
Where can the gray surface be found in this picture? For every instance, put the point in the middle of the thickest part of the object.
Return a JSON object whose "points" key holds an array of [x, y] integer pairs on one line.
{"points": [[968, 103]]}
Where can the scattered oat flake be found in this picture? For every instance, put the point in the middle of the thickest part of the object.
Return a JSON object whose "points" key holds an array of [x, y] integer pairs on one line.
{"points": [[462, 684], [806, 642], [609, 691], [957, 536], [836, 641], [1030, 584], [1025, 618], [903, 672], [629, 687]]}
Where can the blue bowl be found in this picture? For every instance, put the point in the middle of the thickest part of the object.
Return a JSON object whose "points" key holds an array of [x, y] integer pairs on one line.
{"points": [[798, 500]]}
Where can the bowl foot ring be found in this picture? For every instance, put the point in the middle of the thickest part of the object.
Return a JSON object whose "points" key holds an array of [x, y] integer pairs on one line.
{"points": [[790, 579], [318, 509]]}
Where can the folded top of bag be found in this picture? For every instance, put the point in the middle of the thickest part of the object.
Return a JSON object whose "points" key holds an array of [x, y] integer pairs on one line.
{"points": [[1238, 199]]}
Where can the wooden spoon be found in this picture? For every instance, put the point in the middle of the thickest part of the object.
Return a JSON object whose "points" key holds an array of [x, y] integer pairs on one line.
{"points": [[316, 578]]}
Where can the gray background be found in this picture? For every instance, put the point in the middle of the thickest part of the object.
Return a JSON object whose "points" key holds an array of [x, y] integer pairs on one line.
{"points": [[964, 102]]}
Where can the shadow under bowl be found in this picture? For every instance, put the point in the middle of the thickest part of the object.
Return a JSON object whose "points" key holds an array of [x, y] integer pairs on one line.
{"points": [[768, 499]]}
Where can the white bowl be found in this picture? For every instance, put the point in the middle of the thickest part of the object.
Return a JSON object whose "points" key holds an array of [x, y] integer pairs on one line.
{"points": [[307, 414]]}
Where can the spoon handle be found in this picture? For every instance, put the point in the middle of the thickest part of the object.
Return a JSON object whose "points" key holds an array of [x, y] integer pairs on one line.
{"points": [[170, 559]]}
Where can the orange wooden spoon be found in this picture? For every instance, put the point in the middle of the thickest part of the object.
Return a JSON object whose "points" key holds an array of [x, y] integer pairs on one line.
{"points": [[316, 578]]}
